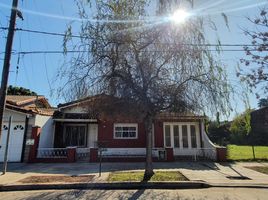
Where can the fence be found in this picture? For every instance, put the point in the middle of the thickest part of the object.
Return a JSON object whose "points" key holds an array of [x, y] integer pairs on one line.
{"points": [[52, 153]]}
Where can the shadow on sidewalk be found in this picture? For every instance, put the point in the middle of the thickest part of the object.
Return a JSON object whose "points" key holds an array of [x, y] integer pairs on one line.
{"points": [[89, 168]]}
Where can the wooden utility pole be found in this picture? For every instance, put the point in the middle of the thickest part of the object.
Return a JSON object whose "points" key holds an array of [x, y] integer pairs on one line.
{"points": [[7, 144], [6, 66]]}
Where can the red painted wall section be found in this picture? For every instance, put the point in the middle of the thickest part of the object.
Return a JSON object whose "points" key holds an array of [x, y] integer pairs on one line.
{"points": [[93, 155], [221, 154], [158, 134], [71, 154], [36, 131], [170, 154], [106, 133], [33, 150]]}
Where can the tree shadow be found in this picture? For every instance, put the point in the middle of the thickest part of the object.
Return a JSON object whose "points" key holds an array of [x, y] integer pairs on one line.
{"points": [[90, 168], [137, 194]]}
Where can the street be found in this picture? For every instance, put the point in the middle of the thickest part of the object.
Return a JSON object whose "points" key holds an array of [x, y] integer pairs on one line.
{"points": [[197, 194]]}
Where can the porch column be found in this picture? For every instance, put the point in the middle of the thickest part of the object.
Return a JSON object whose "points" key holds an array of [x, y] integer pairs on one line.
{"points": [[71, 154], [170, 154], [33, 149]]}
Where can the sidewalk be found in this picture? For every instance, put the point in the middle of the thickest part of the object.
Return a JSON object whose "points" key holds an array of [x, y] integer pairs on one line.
{"points": [[213, 174]]}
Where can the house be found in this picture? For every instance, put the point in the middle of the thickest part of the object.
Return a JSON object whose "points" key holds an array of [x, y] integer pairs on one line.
{"points": [[27, 112], [81, 126]]}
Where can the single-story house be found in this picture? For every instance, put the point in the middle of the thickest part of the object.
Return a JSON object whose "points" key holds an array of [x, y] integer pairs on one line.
{"points": [[82, 126], [26, 112]]}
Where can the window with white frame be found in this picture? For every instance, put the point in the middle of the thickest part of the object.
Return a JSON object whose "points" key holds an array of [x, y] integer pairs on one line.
{"points": [[125, 131], [181, 135]]}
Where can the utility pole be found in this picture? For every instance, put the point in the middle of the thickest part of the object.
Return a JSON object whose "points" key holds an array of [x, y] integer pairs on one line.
{"points": [[6, 66], [7, 143]]}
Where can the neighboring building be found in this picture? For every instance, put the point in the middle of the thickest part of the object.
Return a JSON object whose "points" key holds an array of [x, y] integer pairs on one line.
{"points": [[26, 112], [259, 126], [88, 123]]}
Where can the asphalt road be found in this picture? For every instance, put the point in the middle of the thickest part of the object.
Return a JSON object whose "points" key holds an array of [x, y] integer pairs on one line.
{"points": [[200, 194]]}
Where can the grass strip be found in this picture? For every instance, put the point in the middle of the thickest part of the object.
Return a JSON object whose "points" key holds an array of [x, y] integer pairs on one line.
{"points": [[138, 176]]}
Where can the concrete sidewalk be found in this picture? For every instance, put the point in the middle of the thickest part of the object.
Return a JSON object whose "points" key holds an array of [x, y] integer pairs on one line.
{"points": [[208, 172]]}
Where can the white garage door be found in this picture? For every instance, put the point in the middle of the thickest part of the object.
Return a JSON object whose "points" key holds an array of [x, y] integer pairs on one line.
{"points": [[15, 142]]}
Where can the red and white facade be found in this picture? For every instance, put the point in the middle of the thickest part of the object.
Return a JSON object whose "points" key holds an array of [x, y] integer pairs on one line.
{"points": [[175, 136]]}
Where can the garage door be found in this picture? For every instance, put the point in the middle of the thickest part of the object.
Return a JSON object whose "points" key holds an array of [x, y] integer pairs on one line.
{"points": [[15, 142]]}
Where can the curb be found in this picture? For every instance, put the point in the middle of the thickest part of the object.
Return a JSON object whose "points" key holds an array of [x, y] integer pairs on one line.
{"points": [[105, 185], [127, 186], [238, 185]]}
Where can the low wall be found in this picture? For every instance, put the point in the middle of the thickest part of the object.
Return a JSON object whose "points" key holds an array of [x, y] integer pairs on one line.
{"points": [[134, 155], [33, 154]]}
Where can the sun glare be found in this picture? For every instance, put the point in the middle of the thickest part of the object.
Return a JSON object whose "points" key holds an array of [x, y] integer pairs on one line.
{"points": [[179, 16]]}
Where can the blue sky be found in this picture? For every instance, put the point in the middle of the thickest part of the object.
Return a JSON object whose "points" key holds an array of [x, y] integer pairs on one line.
{"points": [[37, 72]]}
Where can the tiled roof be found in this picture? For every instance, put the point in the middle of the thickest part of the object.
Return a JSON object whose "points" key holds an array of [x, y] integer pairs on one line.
{"points": [[29, 104], [107, 103], [21, 99], [102, 97]]}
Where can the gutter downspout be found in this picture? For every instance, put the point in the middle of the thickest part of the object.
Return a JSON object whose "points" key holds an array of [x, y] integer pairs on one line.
{"points": [[200, 132]]}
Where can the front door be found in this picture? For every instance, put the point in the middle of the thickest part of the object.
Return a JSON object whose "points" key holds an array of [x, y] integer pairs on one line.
{"points": [[181, 135]]}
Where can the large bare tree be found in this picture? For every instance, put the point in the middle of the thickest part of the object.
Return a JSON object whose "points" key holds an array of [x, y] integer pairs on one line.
{"points": [[159, 65]]}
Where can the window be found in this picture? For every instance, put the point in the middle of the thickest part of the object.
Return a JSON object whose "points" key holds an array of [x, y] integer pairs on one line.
{"points": [[176, 136], [167, 136], [193, 136], [75, 135], [184, 136], [125, 131]]}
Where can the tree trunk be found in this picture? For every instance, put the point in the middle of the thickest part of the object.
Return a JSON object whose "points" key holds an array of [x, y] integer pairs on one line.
{"points": [[148, 121], [253, 152]]}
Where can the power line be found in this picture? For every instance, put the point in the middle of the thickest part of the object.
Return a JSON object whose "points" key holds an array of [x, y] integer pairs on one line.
{"points": [[81, 37], [153, 51]]}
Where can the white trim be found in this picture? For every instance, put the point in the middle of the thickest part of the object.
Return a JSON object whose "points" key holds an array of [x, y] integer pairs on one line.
{"points": [[126, 125], [75, 120]]}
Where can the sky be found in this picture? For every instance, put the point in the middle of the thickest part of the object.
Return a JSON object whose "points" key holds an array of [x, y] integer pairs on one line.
{"points": [[38, 71]]}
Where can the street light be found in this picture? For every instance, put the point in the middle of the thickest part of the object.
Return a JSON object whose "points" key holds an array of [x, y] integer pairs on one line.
{"points": [[179, 16]]}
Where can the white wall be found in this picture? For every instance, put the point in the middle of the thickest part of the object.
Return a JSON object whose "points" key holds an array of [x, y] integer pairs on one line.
{"points": [[92, 135], [211, 148], [47, 132], [16, 136], [74, 109], [16, 116]]}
